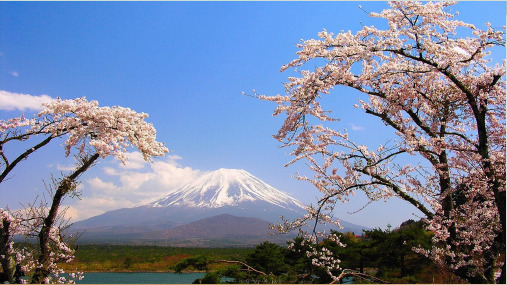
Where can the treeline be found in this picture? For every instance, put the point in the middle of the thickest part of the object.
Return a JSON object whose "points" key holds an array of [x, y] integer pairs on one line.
{"points": [[142, 258], [376, 256]]}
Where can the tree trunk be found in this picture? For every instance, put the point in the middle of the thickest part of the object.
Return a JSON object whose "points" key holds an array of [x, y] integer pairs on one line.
{"points": [[43, 270], [7, 260]]}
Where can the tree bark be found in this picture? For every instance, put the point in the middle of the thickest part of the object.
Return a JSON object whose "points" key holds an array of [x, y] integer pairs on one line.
{"points": [[8, 262], [43, 271], [244, 264], [10, 166]]}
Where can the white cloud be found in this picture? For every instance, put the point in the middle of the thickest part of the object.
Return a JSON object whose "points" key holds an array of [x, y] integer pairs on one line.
{"points": [[62, 167], [14, 73], [71, 213], [11, 101], [97, 183], [355, 127], [121, 186], [134, 180], [170, 175], [87, 208], [110, 171]]}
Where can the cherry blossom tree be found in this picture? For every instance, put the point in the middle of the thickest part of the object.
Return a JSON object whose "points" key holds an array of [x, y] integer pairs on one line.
{"points": [[93, 132], [444, 99]]}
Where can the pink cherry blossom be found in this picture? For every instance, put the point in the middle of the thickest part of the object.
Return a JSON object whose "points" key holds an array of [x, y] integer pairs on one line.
{"points": [[92, 132], [444, 99]]}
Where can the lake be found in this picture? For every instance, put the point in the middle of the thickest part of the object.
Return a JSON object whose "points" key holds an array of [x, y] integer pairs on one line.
{"points": [[139, 278], [148, 278]]}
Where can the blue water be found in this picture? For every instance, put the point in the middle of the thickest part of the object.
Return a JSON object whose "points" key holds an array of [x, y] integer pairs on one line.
{"points": [[139, 278], [149, 278]]}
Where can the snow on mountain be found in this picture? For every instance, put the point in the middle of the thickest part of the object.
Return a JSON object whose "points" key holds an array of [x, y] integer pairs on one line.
{"points": [[226, 187], [224, 201], [224, 191]]}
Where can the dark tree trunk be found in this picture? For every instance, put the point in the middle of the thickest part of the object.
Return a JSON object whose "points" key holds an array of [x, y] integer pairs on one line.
{"points": [[8, 262], [42, 272]]}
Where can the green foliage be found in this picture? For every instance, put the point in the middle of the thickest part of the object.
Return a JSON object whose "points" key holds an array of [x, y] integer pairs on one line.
{"points": [[127, 263], [387, 255], [198, 262], [130, 258], [300, 266], [209, 278], [104, 252], [269, 258], [233, 274], [395, 249]]}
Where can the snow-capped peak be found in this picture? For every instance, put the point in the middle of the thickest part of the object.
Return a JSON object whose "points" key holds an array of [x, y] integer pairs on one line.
{"points": [[226, 187]]}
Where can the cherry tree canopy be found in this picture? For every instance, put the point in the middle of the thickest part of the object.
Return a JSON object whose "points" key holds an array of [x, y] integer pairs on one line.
{"points": [[108, 130], [444, 99], [94, 132]]}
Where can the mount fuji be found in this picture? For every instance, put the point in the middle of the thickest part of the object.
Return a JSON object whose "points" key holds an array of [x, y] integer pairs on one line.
{"points": [[225, 196], [227, 187]]}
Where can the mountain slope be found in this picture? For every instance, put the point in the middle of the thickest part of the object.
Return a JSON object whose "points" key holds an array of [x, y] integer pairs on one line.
{"points": [[221, 226], [218, 231], [219, 194], [224, 191], [226, 187]]}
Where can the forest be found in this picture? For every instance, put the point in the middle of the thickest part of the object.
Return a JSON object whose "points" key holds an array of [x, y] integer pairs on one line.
{"points": [[376, 256]]}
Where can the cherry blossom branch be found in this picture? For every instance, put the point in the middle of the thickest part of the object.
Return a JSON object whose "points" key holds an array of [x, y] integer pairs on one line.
{"points": [[353, 273], [46, 234], [93, 132], [399, 192], [10, 166], [445, 101]]}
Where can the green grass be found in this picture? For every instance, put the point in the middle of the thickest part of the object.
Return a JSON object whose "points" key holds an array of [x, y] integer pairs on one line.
{"points": [[126, 258]]}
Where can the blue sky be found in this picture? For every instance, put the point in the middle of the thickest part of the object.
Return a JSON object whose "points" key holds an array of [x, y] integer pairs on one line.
{"points": [[186, 64]]}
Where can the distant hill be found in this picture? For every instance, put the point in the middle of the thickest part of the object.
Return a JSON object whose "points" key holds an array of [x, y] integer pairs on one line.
{"points": [[221, 226], [226, 206]]}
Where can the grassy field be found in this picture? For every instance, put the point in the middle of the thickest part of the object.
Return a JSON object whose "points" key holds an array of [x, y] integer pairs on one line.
{"points": [[126, 258]]}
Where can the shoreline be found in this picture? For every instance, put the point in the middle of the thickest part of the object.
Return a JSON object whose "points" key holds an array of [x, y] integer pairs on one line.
{"points": [[138, 271]]}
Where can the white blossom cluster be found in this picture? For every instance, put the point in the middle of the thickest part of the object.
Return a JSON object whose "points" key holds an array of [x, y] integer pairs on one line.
{"points": [[320, 256], [110, 130], [21, 224]]}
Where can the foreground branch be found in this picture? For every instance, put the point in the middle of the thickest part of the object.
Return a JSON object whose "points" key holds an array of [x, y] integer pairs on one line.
{"points": [[46, 233], [349, 272], [241, 263]]}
